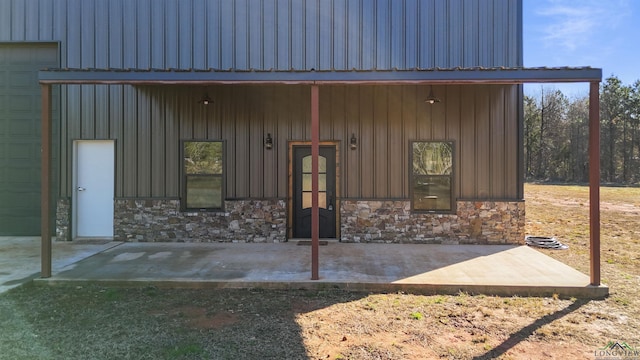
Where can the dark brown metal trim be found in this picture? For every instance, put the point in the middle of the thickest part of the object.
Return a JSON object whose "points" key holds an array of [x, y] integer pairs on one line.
{"points": [[315, 153], [594, 181], [45, 185]]}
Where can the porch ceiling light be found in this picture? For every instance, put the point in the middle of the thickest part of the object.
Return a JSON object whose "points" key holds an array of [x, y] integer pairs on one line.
{"points": [[206, 100], [268, 142], [431, 99]]}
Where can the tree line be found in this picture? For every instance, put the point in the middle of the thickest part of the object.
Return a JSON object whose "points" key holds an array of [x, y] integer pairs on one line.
{"points": [[556, 135]]}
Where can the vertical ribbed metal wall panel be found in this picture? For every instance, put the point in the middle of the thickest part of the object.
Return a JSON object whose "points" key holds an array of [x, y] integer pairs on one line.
{"points": [[339, 34], [101, 42], [469, 34], [281, 34], [426, 42], [199, 29], [397, 34], [410, 42], [384, 119], [115, 33], [266, 34], [367, 47], [143, 33]]}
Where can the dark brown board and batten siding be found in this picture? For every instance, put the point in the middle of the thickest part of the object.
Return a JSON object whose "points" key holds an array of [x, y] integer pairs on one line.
{"points": [[384, 120]]}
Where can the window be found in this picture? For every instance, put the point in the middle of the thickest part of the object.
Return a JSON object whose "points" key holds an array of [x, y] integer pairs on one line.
{"points": [[322, 182], [432, 176], [203, 169]]}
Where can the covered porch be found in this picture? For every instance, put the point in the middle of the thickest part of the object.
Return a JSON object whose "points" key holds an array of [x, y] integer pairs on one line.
{"points": [[315, 80]]}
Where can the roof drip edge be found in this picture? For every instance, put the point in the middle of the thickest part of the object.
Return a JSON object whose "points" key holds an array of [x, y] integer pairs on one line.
{"points": [[457, 75]]}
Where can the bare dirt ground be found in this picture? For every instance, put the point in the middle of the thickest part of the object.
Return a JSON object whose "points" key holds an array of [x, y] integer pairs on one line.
{"points": [[93, 322]]}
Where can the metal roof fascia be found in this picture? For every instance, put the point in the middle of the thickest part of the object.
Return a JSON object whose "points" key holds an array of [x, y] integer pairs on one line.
{"points": [[490, 75]]}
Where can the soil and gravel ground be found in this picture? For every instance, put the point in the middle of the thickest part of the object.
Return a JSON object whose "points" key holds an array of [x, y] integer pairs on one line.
{"points": [[93, 322]]}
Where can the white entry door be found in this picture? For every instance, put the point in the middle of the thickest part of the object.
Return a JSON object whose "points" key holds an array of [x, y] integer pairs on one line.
{"points": [[94, 176]]}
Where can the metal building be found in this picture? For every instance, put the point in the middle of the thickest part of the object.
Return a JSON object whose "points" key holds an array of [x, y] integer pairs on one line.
{"points": [[266, 120]]}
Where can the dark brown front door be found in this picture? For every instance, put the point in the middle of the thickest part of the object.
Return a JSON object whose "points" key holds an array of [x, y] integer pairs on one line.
{"points": [[302, 191]]}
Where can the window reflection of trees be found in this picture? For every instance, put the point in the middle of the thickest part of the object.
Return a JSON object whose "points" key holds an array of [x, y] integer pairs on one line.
{"points": [[203, 157], [432, 158], [432, 168]]}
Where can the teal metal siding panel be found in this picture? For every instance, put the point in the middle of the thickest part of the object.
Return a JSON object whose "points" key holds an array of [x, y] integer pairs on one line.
{"points": [[5, 20], [20, 135]]}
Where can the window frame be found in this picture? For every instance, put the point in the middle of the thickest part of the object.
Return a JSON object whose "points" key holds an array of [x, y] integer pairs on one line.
{"points": [[451, 176], [184, 174]]}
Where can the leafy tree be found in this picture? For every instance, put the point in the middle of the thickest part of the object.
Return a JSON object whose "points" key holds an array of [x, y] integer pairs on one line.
{"points": [[613, 104], [532, 135], [557, 135]]}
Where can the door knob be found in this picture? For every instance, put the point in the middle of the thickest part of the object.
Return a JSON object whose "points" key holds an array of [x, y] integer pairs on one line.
{"points": [[81, 188]]}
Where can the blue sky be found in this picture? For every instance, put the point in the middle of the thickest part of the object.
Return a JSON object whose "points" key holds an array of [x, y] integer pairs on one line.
{"points": [[598, 33]]}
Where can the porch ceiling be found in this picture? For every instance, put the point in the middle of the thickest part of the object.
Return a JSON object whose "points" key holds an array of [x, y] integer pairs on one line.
{"points": [[458, 75]]}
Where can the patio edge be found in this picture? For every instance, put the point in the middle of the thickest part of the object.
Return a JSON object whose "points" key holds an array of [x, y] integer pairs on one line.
{"points": [[583, 292]]}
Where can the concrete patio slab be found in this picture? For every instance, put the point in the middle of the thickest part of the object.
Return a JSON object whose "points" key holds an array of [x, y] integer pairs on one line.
{"points": [[20, 257], [491, 269]]}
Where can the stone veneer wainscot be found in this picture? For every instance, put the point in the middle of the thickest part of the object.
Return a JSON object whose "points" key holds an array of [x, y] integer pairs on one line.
{"points": [[162, 221], [475, 222]]}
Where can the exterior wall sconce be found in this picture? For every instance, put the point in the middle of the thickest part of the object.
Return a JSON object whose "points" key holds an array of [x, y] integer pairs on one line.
{"points": [[206, 100], [431, 99], [353, 142], [268, 142]]}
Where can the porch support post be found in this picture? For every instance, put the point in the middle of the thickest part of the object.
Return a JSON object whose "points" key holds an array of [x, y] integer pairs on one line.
{"points": [[45, 185], [594, 181], [315, 153]]}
